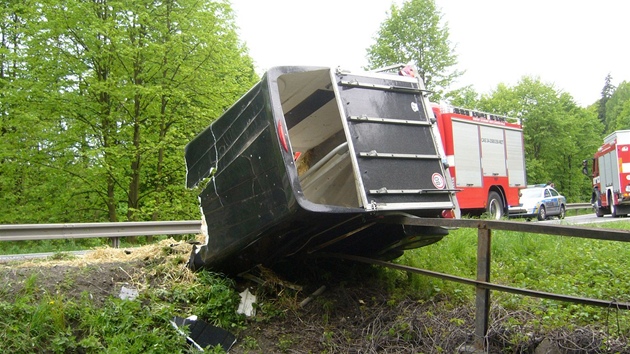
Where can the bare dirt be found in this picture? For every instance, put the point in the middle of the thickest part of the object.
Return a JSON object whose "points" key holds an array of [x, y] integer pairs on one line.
{"points": [[354, 314], [100, 279], [357, 314]]}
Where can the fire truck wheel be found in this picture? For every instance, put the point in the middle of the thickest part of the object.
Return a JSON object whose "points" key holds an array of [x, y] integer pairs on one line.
{"points": [[542, 213], [495, 206], [613, 210], [598, 211], [597, 206]]}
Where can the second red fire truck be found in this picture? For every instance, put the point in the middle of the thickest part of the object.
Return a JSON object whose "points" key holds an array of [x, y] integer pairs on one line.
{"points": [[486, 159], [611, 175]]}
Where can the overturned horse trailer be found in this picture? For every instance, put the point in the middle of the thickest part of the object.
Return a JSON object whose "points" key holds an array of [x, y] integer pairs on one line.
{"points": [[314, 159]]}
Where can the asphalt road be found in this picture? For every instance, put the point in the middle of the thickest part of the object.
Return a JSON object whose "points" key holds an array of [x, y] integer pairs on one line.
{"points": [[584, 219]]}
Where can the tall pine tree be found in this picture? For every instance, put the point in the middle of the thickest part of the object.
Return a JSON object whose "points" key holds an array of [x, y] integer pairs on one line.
{"points": [[607, 92]]}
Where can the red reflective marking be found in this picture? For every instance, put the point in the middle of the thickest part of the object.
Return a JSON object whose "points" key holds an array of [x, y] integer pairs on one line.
{"points": [[283, 140], [448, 214]]}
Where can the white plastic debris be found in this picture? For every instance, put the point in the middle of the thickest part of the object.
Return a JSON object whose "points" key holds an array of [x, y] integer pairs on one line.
{"points": [[246, 306], [128, 293]]}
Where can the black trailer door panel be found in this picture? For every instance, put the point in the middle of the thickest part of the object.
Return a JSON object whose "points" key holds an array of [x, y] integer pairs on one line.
{"points": [[392, 143]]}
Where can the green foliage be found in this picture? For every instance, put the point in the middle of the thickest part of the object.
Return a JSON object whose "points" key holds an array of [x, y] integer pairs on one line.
{"points": [[607, 92], [555, 264], [57, 324], [618, 109], [212, 298], [413, 34], [40, 321], [285, 342], [455, 254], [250, 343], [465, 97], [215, 301], [99, 100], [558, 134]]}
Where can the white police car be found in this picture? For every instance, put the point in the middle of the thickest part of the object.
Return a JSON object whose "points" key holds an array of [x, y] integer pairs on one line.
{"points": [[540, 201]]}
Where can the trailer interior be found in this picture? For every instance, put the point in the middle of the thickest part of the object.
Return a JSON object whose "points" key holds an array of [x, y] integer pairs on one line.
{"points": [[317, 138]]}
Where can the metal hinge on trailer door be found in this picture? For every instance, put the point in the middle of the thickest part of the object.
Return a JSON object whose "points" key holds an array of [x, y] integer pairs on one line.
{"points": [[411, 191], [374, 153], [394, 88], [365, 118]]}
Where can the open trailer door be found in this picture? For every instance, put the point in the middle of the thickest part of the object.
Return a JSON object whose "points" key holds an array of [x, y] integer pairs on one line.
{"points": [[392, 143]]}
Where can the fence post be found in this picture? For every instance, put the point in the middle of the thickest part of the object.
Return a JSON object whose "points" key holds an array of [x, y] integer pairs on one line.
{"points": [[482, 302]]}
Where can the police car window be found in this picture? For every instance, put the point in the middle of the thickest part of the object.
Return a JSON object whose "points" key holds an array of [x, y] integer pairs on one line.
{"points": [[554, 192], [547, 193]]}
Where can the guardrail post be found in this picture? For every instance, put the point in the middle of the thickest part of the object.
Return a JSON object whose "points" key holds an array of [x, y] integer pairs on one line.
{"points": [[482, 301]]}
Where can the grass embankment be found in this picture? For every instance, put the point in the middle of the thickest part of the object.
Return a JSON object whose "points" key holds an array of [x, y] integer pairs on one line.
{"points": [[37, 316], [53, 306], [555, 264]]}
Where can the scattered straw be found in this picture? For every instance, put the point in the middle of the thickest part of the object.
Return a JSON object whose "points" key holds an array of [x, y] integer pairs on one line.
{"points": [[163, 249]]}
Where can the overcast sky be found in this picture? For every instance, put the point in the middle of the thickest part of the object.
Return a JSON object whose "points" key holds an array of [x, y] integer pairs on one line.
{"points": [[572, 45]]}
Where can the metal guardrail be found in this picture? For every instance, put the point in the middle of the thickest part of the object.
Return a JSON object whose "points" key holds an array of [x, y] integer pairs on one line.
{"points": [[579, 206], [25, 232]]}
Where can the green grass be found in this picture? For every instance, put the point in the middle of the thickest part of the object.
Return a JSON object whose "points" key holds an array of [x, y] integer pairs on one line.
{"points": [[38, 320], [55, 324], [556, 264]]}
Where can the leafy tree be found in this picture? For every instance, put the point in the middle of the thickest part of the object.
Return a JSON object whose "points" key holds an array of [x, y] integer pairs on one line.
{"points": [[623, 121], [112, 92], [607, 92], [617, 117], [465, 97], [413, 34], [558, 134], [18, 129]]}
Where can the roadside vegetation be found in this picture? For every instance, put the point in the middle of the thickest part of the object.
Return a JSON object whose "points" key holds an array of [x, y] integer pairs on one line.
{"points": [[99, 101], [555, 264], [72, 305], [48, 310]]}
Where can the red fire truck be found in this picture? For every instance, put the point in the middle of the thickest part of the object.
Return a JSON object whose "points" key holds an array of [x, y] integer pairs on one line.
{"points": [[611, 175], [486, 158]]}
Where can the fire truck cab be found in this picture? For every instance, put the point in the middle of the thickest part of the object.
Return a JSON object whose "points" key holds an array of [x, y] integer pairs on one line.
{"points": [[486, 159], [611, 175]]}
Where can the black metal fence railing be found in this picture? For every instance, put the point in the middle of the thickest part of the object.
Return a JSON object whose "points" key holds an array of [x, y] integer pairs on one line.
{"points": [[482, 283]]}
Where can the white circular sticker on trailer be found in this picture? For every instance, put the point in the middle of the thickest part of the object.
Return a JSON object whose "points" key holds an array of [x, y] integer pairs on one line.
{"points": [[438, 181]]}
